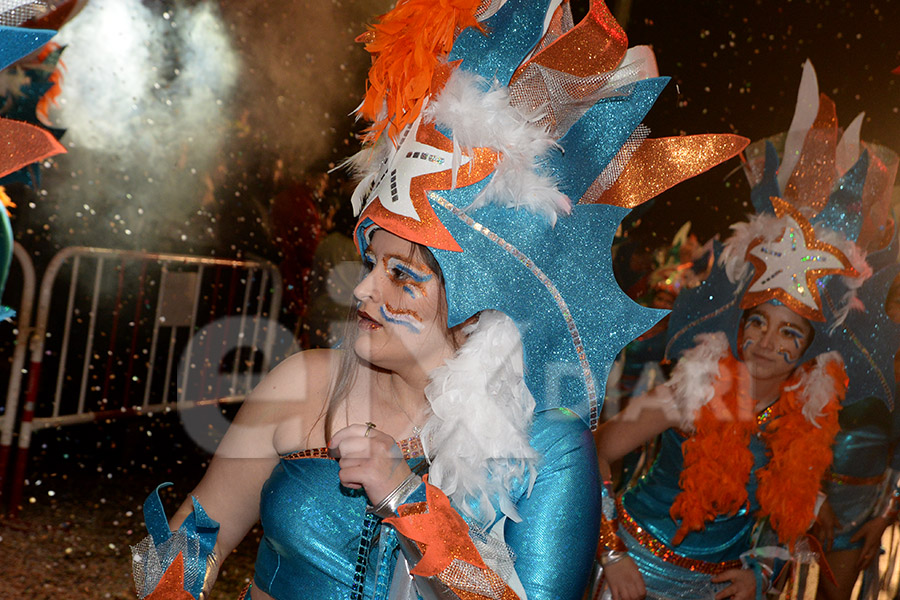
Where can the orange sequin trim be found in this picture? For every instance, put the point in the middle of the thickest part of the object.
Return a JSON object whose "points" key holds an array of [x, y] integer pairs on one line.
{"points": [[244, 593], [410, 448], [841, 479], [660, 550], [609, 540]]}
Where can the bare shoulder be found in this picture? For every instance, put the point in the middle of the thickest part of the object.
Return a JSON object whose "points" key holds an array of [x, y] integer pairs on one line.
{"points": [[299, 377], [285, 406]]}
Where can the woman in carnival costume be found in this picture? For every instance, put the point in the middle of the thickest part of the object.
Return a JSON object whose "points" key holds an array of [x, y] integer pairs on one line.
{"points": [[445, 451], [750, 412]]}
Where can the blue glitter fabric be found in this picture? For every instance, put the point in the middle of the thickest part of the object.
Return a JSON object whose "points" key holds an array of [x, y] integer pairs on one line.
{"points": [[312, 527], [17, 42], [198, 527], [723, 539], [862, 455]]}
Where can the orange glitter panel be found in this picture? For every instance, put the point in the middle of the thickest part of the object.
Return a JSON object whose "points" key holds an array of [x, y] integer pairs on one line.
{"points": [[594, 46], [429, 231], [444, 533], [661, 163], [171, 586], [810, 184], [811, 276], [22, 144]]}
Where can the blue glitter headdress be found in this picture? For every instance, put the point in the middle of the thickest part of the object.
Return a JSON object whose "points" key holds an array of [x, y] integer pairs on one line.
{"points": [[527, 154], [818, 210]]}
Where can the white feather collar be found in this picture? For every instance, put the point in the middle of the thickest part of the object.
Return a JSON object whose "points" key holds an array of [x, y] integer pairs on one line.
{"points": [[478, 432]]}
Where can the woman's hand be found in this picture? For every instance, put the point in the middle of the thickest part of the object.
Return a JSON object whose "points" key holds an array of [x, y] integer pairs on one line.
{"points": [[870, 532], [369, 459], [624, 580], [825, 525], [743, 584]]}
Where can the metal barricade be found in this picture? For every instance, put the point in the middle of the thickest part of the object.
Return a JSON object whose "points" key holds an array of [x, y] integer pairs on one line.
{"points": [[131, 332], [23, 321]]}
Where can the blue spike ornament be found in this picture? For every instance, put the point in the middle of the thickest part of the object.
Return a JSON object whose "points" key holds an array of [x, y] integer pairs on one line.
{"points": [[503, 228]]}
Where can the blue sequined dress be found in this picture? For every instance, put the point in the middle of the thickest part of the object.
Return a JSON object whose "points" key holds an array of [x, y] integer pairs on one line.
{"points": [[684, 571], [313, 528], [862, 455]]}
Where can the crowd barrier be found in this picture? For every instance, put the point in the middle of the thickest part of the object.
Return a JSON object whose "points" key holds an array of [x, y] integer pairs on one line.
{"points": [[120, 333]]}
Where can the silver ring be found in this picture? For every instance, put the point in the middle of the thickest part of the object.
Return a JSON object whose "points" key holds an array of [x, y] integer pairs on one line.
{"points": [[369, 427]]}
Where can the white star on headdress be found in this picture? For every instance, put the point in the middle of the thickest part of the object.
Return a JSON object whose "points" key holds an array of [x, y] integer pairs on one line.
{"points": [[788, 268], [391, 184]]}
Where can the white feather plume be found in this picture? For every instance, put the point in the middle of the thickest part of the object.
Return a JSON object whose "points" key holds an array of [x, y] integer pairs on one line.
{"points": [[365, 165], [478, 433], [693, 378], [847, 152], [486, 119], [817, 386]]}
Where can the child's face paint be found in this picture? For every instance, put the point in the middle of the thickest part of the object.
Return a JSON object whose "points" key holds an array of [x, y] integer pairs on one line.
{"points": [[772, 340], [401, 314]]}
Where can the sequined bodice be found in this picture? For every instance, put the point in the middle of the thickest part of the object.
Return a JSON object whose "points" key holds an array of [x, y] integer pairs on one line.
{"points": [[312, 528], [648, 504]]}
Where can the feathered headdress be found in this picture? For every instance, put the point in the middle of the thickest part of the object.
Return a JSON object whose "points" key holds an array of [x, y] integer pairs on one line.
{"points": [[509, 141], [820, 208]]}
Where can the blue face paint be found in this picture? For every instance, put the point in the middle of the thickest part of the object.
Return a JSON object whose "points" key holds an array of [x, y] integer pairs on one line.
{"points": [[406, 318], [412, 279], [396, 266]]}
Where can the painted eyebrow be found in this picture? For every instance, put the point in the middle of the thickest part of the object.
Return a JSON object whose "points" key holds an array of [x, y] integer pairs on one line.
{"points": [[398, 263], [756, 317], [794, 330]]}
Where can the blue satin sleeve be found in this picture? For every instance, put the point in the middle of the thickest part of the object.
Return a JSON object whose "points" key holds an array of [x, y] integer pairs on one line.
{"points": [[556, 539]]}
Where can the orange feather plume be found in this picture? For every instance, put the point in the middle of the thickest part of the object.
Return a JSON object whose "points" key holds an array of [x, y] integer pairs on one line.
{"points": [[49, 98], [407, 44], [800, 455], [714, 482]]}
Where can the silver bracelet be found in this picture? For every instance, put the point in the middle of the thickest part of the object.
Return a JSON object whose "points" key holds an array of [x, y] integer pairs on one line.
{"points": [[388, 506], [612, 557]]}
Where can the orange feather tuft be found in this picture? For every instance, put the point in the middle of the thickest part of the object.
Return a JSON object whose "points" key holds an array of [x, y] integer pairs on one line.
{"points": [[49, 98], [715, 482], [407, 45], [800, 454]]}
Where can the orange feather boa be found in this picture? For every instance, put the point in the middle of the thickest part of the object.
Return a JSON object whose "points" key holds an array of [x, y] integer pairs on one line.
{"points": [[714, 482], [406, 46]]}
